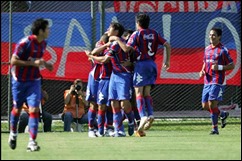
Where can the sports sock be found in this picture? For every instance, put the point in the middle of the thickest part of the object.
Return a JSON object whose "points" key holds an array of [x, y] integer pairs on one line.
{"points": [[117, 119], [130, 116], [101, 121], [33, 124], [149, 105], [14, 118], [214, 112], [136, 113], [109, 118], [141, 105], [91, 117]]}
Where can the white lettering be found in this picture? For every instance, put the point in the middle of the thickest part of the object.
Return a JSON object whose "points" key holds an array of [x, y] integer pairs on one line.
{"points": [[166, 19], [231, 5], [212, 5], [67, 48], [177, 6], [161, 5], [148, 37]]}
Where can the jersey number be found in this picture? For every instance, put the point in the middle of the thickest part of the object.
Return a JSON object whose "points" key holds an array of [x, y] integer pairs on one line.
{"points": [[150, 50]]}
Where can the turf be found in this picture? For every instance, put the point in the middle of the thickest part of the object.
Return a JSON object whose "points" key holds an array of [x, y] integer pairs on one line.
{"points": [[164, 141]]}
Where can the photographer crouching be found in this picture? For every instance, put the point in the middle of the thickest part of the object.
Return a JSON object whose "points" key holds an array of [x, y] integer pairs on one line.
{"points": [[74, 108]]}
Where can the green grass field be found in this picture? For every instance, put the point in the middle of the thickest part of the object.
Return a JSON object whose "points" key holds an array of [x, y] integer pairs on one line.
{"points": [[166, 140]]}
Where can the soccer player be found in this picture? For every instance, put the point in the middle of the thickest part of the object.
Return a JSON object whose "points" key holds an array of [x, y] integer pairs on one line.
{"points": [[120, 82], [91, 97], [102, 94], [145, 41], [132, 56], [26, 80], [92, 89], [216, 62]]}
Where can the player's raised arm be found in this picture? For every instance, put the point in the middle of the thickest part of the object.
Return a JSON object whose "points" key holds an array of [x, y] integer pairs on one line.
{"points": [[124, 47]]}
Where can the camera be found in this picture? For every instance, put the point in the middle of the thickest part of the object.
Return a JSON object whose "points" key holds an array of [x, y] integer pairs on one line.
{"points": [[78, 87]]}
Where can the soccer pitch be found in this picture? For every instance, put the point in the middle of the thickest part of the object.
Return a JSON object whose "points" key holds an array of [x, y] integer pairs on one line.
{"points": [[164, 141]]}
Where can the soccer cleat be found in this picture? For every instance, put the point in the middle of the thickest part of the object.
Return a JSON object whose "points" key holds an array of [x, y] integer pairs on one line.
{"points": [[91, 134], [109, 132], [131, 129], [99, 135], [12, 141], [149, 122], [119, 134], [33, 146], [142, 123], [223, 119], [140, 133], [214, 133]]}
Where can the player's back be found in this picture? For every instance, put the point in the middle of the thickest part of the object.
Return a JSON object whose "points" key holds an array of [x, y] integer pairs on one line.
{"points": [[147, 41]]}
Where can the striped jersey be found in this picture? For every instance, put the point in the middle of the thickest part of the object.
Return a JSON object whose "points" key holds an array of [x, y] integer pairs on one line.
{"points": [[96, 66], [28, 48], [217, 55], [147, 41], [118, 56], [106, 68]]}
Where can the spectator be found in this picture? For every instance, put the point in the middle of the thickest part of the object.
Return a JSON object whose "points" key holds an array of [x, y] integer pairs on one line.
{"points": [[74, 108]]}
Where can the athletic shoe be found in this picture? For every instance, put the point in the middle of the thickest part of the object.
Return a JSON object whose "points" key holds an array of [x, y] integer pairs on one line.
{"points": [[131, 128], [143, 121], [140, 133], [33, 146], [223, 119], [109, 132], [214, 133], [99, 135], [149, 122], [119, 134], [91, 134], [12, 140]]}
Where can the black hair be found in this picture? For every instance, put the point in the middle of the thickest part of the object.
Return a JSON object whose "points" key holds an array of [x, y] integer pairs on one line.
{"points": [[128, 31], [39, 24], [104, 37], [143, 20], [217, 30], [119, 27]]}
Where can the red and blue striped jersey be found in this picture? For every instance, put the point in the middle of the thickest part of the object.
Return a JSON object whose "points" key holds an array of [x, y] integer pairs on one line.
{"points": [[147, 41], [217, 55], [118, 56], [106, 69], [96, 66], [28, 48]]}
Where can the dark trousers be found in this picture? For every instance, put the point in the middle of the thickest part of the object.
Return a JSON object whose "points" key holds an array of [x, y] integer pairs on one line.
{"points": [[24, 120]]}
